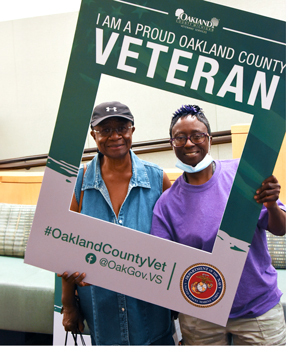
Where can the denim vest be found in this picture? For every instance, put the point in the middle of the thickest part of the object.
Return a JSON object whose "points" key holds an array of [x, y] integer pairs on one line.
{"points": [[113, 318]]}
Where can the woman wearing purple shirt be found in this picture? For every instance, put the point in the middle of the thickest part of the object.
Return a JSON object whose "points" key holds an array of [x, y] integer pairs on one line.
{"points": [[197, 199]]}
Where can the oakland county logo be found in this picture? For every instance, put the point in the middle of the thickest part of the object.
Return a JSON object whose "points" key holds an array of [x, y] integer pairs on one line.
{"points": [[192, 22], [202, 285]]}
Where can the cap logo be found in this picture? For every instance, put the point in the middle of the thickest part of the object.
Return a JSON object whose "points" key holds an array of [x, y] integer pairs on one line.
{"points": [[111, 108]]}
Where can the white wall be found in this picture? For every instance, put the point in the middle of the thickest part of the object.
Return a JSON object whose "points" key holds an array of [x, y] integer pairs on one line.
{"points": [[33, 62]]}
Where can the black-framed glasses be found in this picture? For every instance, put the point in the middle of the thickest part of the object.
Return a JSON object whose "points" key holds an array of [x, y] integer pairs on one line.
{"points": [[107, 131], [196, 138]]}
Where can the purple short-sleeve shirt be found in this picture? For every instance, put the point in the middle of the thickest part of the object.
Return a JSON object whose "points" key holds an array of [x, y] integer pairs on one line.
{"points": [[200, 208]]}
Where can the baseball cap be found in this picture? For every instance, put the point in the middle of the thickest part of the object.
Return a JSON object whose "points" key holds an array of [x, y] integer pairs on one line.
{"points": [[110, 109]]}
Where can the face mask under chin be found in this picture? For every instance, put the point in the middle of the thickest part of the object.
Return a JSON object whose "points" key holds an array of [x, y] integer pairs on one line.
{"points": [[203, 164]]}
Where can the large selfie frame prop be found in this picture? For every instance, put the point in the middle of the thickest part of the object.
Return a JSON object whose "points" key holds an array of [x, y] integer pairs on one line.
{"points": [[197, 49]]}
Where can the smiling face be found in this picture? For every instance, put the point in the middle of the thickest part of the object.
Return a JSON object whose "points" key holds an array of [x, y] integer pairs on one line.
{"points": [[114, 146], [190, 154]]}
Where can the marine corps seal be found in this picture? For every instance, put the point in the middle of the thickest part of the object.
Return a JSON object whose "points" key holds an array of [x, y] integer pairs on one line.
{"points": [[202, 285]]}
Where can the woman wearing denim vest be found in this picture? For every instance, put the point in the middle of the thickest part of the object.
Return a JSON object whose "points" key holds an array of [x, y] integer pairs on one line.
{"points": [[119, 188]]}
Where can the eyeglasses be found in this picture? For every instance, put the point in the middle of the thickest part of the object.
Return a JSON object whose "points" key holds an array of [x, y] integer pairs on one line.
{"points": [[197, 138], [121, 130]]}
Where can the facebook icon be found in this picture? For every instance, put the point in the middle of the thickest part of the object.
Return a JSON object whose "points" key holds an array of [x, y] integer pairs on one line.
{"points": [[90, 258]]}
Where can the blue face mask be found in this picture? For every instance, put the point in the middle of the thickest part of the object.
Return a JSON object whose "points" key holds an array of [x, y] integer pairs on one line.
{"points": [[203, 164]]}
